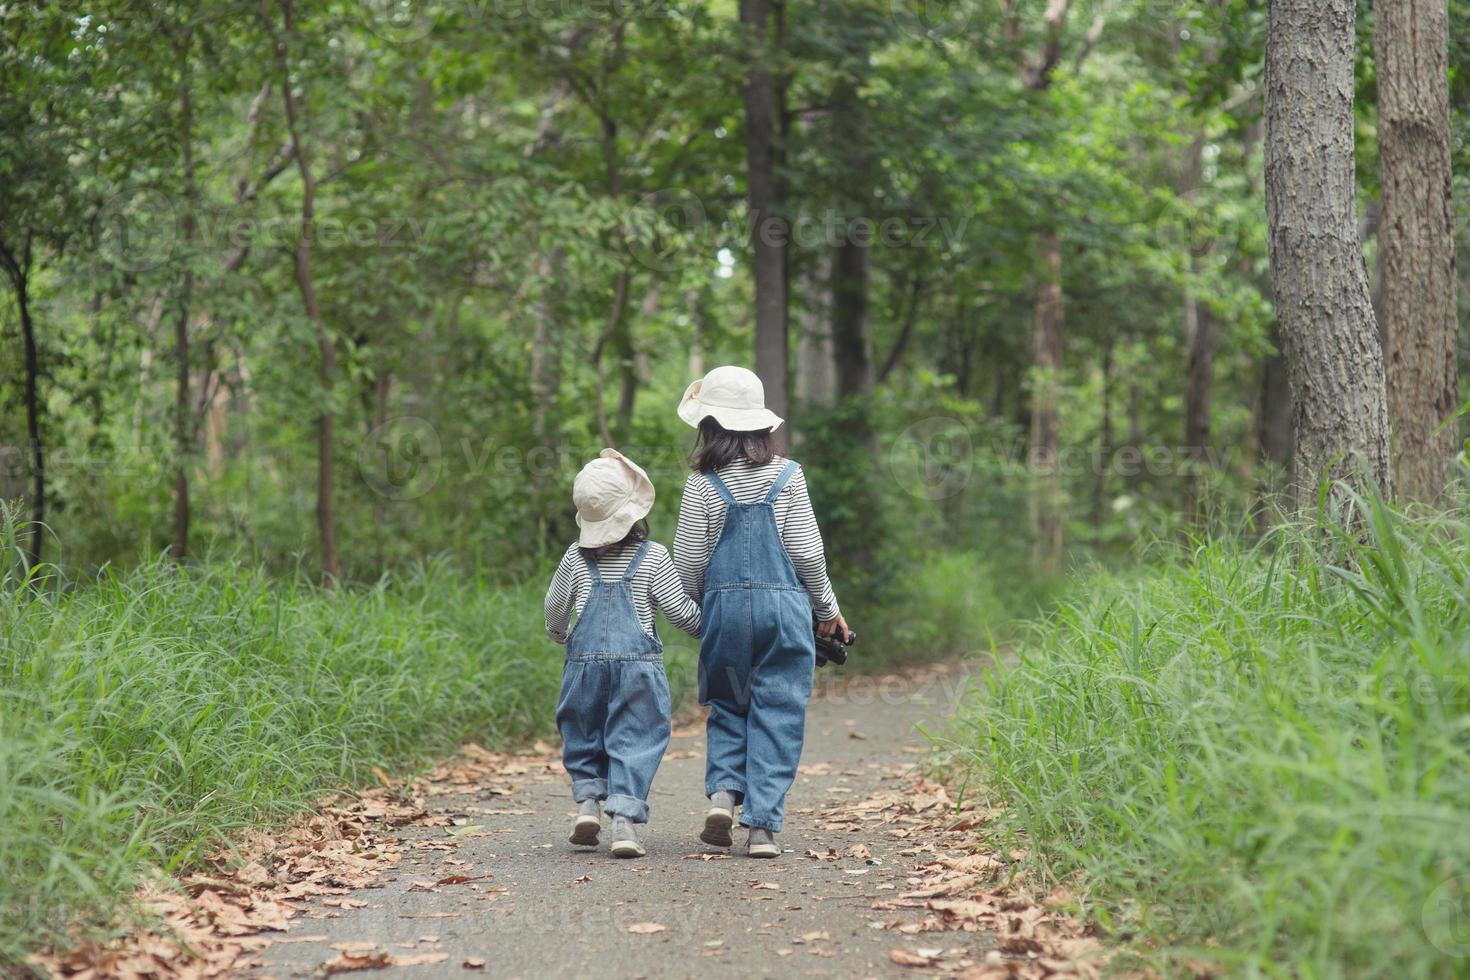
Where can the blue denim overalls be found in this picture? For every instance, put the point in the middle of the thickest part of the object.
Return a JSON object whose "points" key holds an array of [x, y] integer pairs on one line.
{"points": [[613, 711], [755, 660]]}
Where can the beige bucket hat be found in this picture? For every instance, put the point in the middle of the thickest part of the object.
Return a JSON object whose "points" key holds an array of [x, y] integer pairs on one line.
{"points": [[731, 395], [612, 493]]}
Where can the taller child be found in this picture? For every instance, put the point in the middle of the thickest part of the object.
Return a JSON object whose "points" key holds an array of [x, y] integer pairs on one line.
{"points": [[748, 547]]}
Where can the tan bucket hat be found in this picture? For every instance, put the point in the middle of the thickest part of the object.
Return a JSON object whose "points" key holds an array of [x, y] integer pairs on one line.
{"points": [[733, 397], [612, 493]]}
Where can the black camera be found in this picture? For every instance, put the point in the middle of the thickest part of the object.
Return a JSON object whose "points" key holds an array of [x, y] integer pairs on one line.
{"points": [[834, 648]]}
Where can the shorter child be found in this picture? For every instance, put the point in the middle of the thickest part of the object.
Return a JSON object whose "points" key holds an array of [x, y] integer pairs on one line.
{"points": [[614, 708]]}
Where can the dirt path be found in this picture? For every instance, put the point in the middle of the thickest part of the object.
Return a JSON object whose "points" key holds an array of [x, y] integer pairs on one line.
{"points": [[549, 909]]}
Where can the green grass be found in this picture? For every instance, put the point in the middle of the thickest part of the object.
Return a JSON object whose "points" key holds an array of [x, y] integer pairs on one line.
{"points": [[147, 714], [1257, 755]]}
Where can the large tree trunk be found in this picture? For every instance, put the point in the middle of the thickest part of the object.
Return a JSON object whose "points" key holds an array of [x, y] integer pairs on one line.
{"points": [[326, 515], [1416, 240], [769, 232], [1319, 282], [18, 268], [1047, 500]]}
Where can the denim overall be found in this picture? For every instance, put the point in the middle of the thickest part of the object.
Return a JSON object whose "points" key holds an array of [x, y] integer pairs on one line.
{"points": [[755, 660], [613, 711]]}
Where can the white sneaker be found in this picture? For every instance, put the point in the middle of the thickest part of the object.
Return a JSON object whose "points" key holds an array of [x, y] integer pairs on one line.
{"points": [[625, 839], [762, 844], [588, 824], [718, 820]]}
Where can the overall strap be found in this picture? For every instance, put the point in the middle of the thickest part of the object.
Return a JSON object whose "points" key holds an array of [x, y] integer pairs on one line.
{"points": [[591, 567], [719, 485], [637, 559], [787, 473]]}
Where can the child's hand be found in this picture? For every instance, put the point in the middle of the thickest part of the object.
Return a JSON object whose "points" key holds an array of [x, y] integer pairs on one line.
{"points": [[831, 626]]}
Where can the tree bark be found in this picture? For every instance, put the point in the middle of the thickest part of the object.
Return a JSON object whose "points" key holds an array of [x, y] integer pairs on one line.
{"points": [[1319, 283], [769, 232], [850, 342], [816, 368], [1201, 332], [906, 331], [1416, 240], [1275, 433], [18, 269], [326, 516], [183, 410], [1046, 502]]}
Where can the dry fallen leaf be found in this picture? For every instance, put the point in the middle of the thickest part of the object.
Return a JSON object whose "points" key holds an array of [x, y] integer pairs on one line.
{"points": [[645, 928], [767, 885], [351, 962], [461, 879], [420, 959], [474, 963], [905, 958]]}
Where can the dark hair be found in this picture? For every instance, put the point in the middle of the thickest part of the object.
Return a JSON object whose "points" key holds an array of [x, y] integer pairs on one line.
{"points": [[637, 534], [716, 446]]}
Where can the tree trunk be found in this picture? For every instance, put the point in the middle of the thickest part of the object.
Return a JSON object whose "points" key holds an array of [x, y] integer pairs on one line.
{"points": [[1201, 331], [183, 410], [1104, 440], [1319, 283], [1416, 240], [545, 366], [1047, 501], [1198, 399], [851, 346], [326, 516], [906, 331], [769, 233], [816, 366], [18, 269]]}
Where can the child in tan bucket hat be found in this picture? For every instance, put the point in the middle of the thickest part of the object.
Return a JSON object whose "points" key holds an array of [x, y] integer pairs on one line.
{"points": [[613, 711]]}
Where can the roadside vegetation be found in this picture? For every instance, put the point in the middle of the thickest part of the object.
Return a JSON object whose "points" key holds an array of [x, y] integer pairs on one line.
{"points": [[1256, 754]]}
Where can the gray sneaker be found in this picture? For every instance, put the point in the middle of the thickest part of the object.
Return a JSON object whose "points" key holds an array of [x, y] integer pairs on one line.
{"points": [[718, 820], [587, 825], [625, 839], [762, 844]]}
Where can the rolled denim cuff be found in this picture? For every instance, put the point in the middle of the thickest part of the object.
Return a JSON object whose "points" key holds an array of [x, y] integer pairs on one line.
{"points": [[634, 809], [589, 789], [758, 823]]}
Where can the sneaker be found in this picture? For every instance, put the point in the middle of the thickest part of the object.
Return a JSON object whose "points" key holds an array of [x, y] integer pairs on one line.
{"points": [[588, 824], [718, 820], [762, 844], [625, 839]]}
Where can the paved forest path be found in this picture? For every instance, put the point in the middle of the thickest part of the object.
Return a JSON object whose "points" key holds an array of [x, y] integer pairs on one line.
{"points": [[548, 909]]}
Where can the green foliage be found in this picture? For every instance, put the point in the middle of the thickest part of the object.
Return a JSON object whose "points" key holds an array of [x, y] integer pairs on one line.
{"points": [[1255, 755]]}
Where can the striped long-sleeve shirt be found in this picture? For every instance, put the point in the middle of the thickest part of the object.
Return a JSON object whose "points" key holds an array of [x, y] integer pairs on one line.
{"points": [[655, 586], [702, 519]]}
